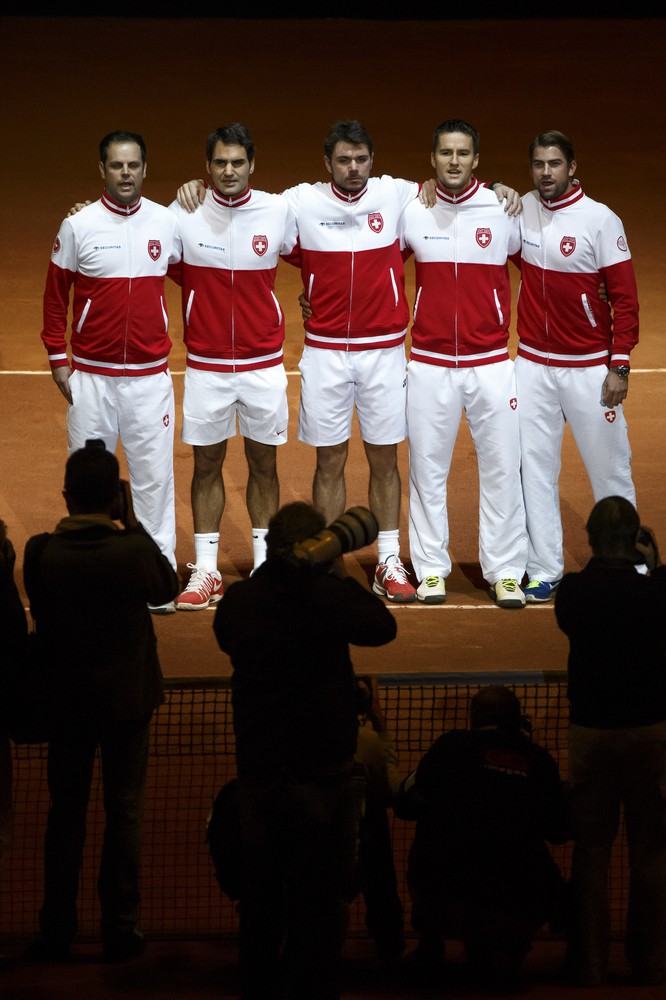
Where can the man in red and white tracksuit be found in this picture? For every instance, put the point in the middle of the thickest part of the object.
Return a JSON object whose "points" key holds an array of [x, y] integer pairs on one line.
{"points": [[114, 254], [573, 352], [459, 360], [234, 332], [354, 355], [357, 316]]}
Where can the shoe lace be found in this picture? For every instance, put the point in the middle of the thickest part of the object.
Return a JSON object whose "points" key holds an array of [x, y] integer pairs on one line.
{"points": [[431, 581], [510, 585], [395, 571], [201, 579]]}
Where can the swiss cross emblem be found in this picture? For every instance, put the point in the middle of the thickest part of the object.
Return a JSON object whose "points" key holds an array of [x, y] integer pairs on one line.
{"points": [[375, 222], [484, 237], [57, 245], [567, 245], [611, 416], [155, 249], [260, 245], [165, 419], [513, 403]]}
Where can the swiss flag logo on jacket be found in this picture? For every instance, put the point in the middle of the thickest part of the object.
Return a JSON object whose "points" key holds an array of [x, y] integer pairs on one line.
{"points": [[484, 237], [567, 245], [375, 222], [155, 249], [260, 245]]}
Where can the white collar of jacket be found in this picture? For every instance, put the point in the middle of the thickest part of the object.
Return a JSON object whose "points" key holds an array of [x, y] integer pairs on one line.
{"points": [[570, 198], [233, 202], [347, 195], [117, 208], [456, 198]]}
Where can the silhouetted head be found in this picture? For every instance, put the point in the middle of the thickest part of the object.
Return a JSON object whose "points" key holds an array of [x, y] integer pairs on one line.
{"points": [[496, 706], [92, 480], [612, 528], [293, 523]]}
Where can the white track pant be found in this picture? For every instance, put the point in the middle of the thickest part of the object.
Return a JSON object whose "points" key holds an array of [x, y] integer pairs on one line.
{"points": [[550, 397], [436, 398], [140, 411]]}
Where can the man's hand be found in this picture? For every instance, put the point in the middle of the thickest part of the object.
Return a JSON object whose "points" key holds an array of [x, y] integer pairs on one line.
{"points": [[77, 208], [646, 546], [514, 205], [306, 311], [124, 511], [614, 390], [61, 378], [191, 195], [427, 195]]}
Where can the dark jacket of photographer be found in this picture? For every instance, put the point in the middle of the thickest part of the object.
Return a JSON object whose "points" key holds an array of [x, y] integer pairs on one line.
{"points": [[487, 800], [89, 584], [615, 619], [287, 630], [13, 627]]}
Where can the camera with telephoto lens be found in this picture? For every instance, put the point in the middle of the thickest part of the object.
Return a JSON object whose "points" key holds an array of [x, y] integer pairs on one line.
{"points": [[352, 530]]}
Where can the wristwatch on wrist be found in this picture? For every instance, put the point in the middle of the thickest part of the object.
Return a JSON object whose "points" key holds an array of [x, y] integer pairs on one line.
{"points": [[621, 370]]}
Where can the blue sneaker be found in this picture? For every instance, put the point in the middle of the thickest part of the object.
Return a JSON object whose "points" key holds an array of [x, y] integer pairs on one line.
{"points": [[540, 591]]}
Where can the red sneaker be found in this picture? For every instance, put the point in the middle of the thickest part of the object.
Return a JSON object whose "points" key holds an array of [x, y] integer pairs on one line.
{"points": [[205, 588], [391, 582]]}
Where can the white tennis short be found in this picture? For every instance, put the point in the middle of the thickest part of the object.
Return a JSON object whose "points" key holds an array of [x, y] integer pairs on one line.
{"points": [[213, 400], [334, 382]]}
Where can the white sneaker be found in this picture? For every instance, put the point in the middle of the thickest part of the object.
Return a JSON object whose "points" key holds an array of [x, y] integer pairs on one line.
{"points": [[432, 590], [163, 609], [507, 594]]}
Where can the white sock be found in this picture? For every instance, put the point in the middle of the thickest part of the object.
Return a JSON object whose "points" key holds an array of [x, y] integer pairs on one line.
{"points": [[205, 549], [388, 544], [259, 546]]}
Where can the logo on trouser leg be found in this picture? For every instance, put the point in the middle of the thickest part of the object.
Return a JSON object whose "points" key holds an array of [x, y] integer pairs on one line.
{"points": [[611, 416], [165, 420], [513, 403]]}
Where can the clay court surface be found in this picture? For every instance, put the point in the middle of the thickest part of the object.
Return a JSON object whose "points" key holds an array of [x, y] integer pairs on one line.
{"points": [[68, 81]]}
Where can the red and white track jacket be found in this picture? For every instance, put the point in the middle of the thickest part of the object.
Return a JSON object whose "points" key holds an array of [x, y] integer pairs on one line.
{"points": [[116, 257], [569, 246], [230, 251], [350, 261], [462, 307]]}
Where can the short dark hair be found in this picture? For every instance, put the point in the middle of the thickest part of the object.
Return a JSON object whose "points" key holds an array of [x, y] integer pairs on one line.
{"points": [[553, 138], [350, 131], [120, 135], [496, 705], [292, 523], [612, 527], [92, 478], [234, 134], [456, 125]]}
